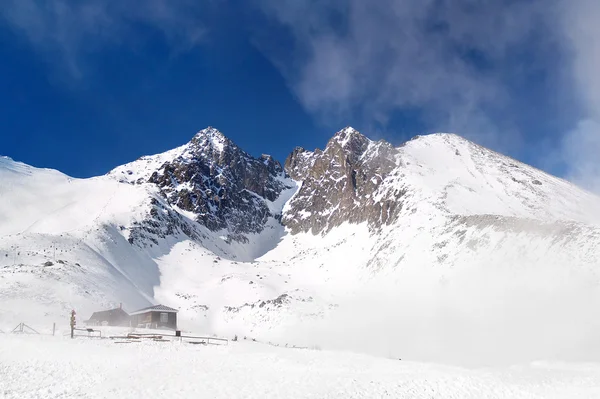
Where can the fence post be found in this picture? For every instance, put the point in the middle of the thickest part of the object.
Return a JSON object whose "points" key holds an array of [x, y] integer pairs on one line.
{"points": [[73, 322], [53, 328]]}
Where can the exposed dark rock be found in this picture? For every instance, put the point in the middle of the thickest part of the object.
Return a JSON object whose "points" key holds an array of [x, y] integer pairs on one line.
{"points": [[278, 302], [221, 186], [339, 184], [161, 222]]}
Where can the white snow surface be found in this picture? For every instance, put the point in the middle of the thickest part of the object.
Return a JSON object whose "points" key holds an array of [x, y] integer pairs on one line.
{"points": [[467, 179], [491, 262], [56, 367]]}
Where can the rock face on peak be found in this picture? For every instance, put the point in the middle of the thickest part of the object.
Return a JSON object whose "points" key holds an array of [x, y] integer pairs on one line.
{"points": [[217, 183], [340, 183], [352, 180], [357, 180], [350, 139], [298, 163]]}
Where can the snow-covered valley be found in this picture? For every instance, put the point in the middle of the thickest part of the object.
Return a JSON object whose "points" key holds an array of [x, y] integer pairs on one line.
{"points": [[439, 251]]}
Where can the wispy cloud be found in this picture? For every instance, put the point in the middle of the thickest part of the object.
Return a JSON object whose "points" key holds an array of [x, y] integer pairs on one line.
{"points": [[581, 146], [70, 28], [446, 58], [580, 151], [463, 65]]}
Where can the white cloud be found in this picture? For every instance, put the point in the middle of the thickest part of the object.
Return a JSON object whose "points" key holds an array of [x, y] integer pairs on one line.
{"points": [[378, 57], [456, 62], [582, 31], [581, 146], [72, 28], [581, 154]]}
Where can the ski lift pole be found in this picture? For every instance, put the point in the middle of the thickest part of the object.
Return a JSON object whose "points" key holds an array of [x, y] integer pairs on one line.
{"points": [[73, 323]]}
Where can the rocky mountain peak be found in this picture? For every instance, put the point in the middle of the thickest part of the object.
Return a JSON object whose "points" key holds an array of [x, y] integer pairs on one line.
{"points": [[272, 165], [214, 181], [212, 138], [348, 137], [354, 179], [210, 132], [298, 162], [347, 146], [339, 183]]}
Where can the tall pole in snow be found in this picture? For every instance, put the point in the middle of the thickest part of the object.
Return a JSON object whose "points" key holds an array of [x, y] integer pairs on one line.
{"points": [[72, 323]]}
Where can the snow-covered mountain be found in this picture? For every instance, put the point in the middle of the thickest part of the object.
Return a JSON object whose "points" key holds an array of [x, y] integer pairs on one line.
{"points": [[415, 249]]}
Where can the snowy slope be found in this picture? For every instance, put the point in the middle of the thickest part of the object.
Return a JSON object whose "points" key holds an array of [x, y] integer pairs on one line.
{"points": [[51, 367], [467, 179], [437, 250], [64, 243]]}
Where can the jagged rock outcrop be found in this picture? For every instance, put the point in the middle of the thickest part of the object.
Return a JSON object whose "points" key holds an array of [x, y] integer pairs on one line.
{"points": [[299, 162], [160, 223], [342, 184], [353, 180], [217, 183]]}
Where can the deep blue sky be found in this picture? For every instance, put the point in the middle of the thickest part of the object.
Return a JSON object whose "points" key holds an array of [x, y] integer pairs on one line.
{"points": [[132, 83], [131, 103]]}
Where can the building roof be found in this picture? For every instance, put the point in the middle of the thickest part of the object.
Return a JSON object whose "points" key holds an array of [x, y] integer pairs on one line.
{"points": [[155, 308], [105, 314]]}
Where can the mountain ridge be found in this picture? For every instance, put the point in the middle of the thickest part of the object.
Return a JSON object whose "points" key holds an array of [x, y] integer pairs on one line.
{"points": [[243, 245]]}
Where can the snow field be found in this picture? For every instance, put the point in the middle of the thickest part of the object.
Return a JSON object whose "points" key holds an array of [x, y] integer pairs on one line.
{"points": [[53, 367]]}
